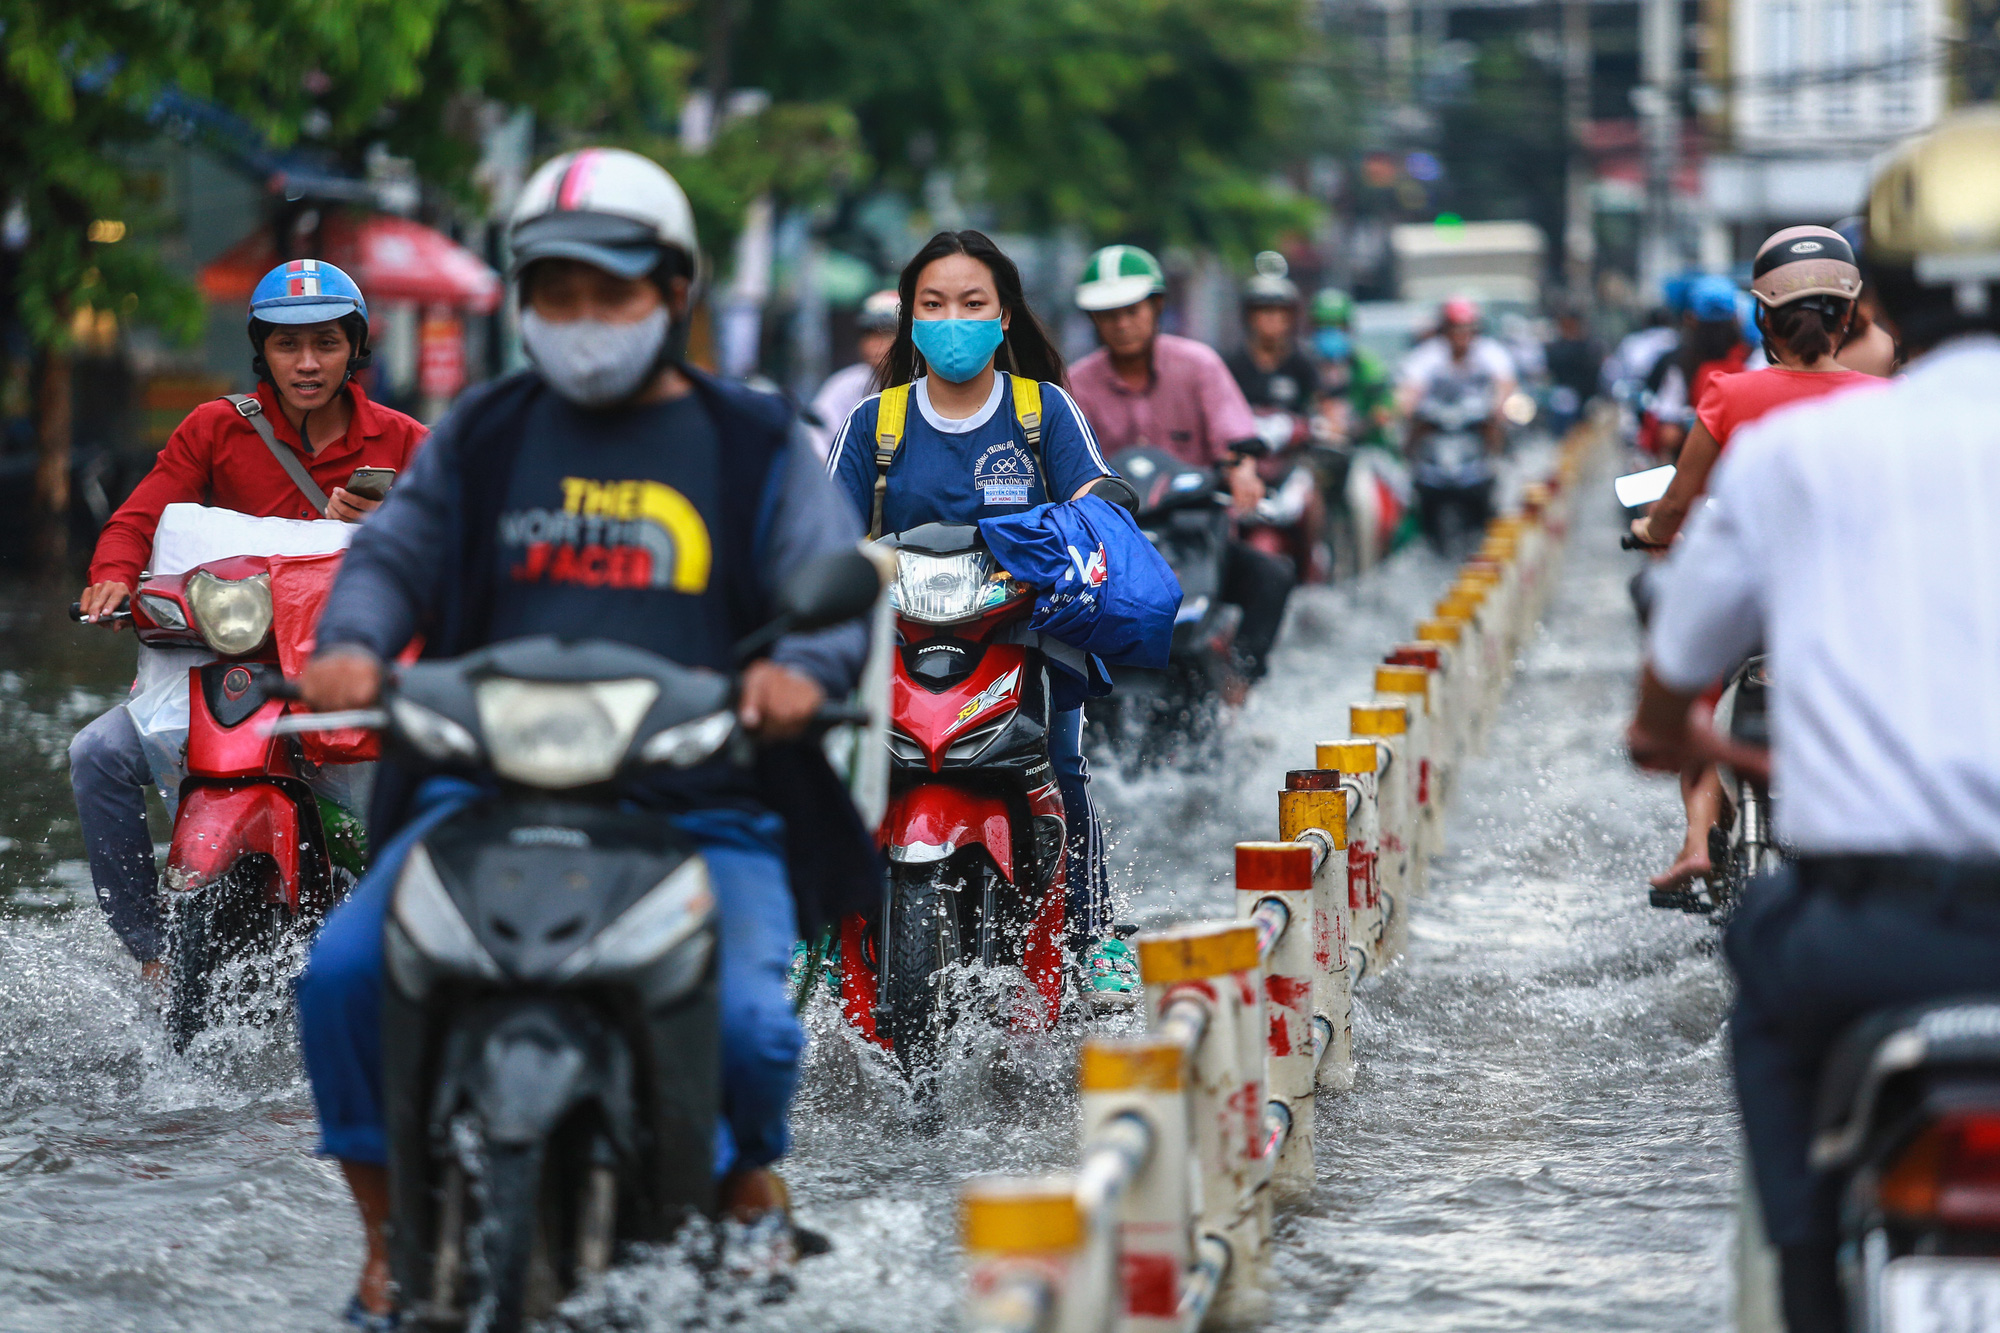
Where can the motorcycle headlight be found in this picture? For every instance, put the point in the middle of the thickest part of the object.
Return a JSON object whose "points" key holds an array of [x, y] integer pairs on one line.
{"points": [[432, 923], [552, 734], [940, 589], [433, 735], [165, 611], [689, 743], [232, 616], [671, 914]]}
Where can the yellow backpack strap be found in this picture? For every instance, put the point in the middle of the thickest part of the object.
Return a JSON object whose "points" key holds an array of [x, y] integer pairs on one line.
{"points": [[890, 415], [1028, 411]]}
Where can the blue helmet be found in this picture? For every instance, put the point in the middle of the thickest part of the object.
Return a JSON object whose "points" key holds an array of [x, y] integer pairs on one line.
{"points": [[1711, 297], [306, 291]]}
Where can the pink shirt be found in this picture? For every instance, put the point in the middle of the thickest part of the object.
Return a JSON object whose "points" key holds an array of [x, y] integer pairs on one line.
{"points": [[1192, 408]]}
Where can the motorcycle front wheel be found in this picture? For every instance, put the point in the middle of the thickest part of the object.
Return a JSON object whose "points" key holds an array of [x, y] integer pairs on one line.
{"points": [[922, 941], [208, 931]]}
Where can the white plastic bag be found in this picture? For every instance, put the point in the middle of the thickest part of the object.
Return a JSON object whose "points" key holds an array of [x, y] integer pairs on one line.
{"points": [[160, 716]]}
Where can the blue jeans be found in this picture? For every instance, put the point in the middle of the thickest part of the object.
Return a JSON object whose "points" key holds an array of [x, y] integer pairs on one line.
{"points": [[340, 992], [1089, 906], [108, 773]]}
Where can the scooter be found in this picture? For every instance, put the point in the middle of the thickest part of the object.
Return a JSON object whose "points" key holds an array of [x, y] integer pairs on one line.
{"points": [[1909, 1119], [1151, 715], [1291, 520], [1452, 467], [975, 829], [551, 1035], [256, 858]]}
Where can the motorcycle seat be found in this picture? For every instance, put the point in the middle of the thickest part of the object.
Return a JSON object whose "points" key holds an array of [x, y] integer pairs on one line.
{"points": [[1885, 1047]]}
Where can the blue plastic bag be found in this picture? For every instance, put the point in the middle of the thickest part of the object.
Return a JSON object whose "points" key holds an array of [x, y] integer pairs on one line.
{"points": [[1101, 587]]}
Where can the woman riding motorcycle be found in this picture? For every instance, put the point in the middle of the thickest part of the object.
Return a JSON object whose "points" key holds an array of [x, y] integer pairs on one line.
{"points": [[1805, 281], [966, 459]]}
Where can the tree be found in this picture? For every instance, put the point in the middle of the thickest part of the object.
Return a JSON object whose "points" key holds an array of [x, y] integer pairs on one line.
{"points": [[1150, 120]]}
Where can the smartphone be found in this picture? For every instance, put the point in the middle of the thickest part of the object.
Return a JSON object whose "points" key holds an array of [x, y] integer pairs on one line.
{"points": [[371, 483]]}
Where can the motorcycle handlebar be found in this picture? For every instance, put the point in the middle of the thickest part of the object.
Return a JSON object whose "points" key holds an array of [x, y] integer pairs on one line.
{"points": [[1628, 542], [123, 612], [829, 716]]}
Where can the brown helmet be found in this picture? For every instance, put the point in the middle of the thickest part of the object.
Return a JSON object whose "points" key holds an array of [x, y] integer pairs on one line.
{"points": [[1801, 262]]}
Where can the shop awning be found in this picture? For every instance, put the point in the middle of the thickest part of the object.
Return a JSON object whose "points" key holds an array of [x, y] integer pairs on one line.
{"points": [[394, 259]]}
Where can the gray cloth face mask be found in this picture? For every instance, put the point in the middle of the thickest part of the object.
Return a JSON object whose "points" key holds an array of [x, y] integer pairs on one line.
{"points": [[590, 362]]}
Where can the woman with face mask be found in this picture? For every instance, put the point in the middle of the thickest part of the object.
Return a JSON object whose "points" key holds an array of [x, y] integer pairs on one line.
{"points": [[964, 334]]}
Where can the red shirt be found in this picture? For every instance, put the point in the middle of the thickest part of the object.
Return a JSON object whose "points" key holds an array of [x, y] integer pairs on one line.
{"points": [[215, 457], [1734, 401], [1707, 372]]}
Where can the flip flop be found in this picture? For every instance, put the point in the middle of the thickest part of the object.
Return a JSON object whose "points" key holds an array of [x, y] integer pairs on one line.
{"points": [[368, 1321]]}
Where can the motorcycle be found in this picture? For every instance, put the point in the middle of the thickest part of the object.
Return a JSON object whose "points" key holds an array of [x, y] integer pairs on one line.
{"points": [[551, 1032], [1292, 520], [1741, 845], [1151, 714], [257, 857], [975, 829], [1453, 470], [1909, 1120]]}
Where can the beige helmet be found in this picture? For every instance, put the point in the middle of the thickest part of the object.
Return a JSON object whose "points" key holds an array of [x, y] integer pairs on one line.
{"points": [[1935, 208], [1802, 262]]}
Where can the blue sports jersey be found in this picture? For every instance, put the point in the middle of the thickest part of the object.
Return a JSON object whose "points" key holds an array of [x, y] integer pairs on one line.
{"points": [[963, 471]]}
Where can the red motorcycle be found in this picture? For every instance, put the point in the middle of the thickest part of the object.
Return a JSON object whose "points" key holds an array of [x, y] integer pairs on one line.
{"points": [[257, 856], [974, 831]]}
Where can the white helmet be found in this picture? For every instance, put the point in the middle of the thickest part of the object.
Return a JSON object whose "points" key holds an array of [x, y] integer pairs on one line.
{"points": [[607, 207]]}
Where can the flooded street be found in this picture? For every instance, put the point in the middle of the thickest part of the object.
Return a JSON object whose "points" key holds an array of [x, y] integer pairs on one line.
{"points": [[1540, 1135]]}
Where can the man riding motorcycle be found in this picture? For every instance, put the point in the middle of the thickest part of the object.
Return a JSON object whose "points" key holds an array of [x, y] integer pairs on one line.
{"points": [[308, 327], [611, 492], [1851, 538], [1270, 367], [1458, 354], [1145, 387]]}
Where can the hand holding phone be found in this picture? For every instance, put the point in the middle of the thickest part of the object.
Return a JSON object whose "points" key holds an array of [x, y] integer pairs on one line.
{"points": [[371, 483]]}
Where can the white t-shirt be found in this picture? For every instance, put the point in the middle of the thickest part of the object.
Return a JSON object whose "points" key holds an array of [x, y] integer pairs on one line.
{"points": [[1857, 537], [1431, 360], [836, 400]]}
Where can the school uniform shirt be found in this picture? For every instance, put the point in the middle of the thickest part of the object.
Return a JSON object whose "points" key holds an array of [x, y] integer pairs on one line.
{"points": [[950, 471]]}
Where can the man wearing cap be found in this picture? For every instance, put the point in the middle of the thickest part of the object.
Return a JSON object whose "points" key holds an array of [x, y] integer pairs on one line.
{"points": [[1148, 388], [308, 328], [560, 501], [1852, 538]]}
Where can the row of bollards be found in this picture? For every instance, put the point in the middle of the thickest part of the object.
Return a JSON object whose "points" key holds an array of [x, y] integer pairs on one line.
{"points": [[1195, 1131]]}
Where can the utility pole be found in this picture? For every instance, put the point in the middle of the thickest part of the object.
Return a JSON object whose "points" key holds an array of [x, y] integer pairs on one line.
{"points": [[1658, 98], [1579, 226]]}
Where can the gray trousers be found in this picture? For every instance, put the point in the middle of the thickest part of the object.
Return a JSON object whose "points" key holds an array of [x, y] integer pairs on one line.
{"points": [[108, 772]]}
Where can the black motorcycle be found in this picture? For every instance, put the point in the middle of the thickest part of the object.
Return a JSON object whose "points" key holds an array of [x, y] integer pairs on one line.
{"points": [[1451, 465], [550, 1024], [1152, 715], [1909, 1119], [1741, 844]]}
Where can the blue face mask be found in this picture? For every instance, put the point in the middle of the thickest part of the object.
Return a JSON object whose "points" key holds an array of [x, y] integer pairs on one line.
{"points": [[957, 349], [1333, 344]]}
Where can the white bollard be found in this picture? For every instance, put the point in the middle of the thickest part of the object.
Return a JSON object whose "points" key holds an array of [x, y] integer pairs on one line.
{"points": [[1448, 635], [1417, 686], [1147, 1077], [1024, 1239], [1436, 659], [1388, 724], [1315, 804], [1282, 873], [1214, 966]]}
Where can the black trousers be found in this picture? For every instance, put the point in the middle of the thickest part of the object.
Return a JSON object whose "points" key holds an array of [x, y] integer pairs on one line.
{"points": [[1815, 948], [1260, 584]]}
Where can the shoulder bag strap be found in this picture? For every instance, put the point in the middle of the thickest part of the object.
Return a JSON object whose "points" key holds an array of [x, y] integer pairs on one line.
{"points": [[890, 415], [1028, 412], [252, 411]]}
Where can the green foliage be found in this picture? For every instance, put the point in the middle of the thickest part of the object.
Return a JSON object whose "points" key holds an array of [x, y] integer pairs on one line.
{"points": [[1155, 121]]}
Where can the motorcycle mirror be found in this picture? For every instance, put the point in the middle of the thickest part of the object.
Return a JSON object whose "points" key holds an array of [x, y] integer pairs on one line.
{"points": [[830, 590], [1642, 488]]}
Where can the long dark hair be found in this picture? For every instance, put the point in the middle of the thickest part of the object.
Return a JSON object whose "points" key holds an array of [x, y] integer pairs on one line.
{"points": [[1808, 329], [1027, 350], [1704, 341]]}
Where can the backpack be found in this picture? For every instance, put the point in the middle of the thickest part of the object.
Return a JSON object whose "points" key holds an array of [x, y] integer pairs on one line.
{"points": [[893, 414]]}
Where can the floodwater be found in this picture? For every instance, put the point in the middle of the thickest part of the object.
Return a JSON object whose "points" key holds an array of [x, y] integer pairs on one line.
{"points": [[1540, 1134]]}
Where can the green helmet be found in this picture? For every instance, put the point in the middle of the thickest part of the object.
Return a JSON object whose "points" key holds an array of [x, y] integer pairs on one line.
{"points": [[1333, 308], [1118, 276]]}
